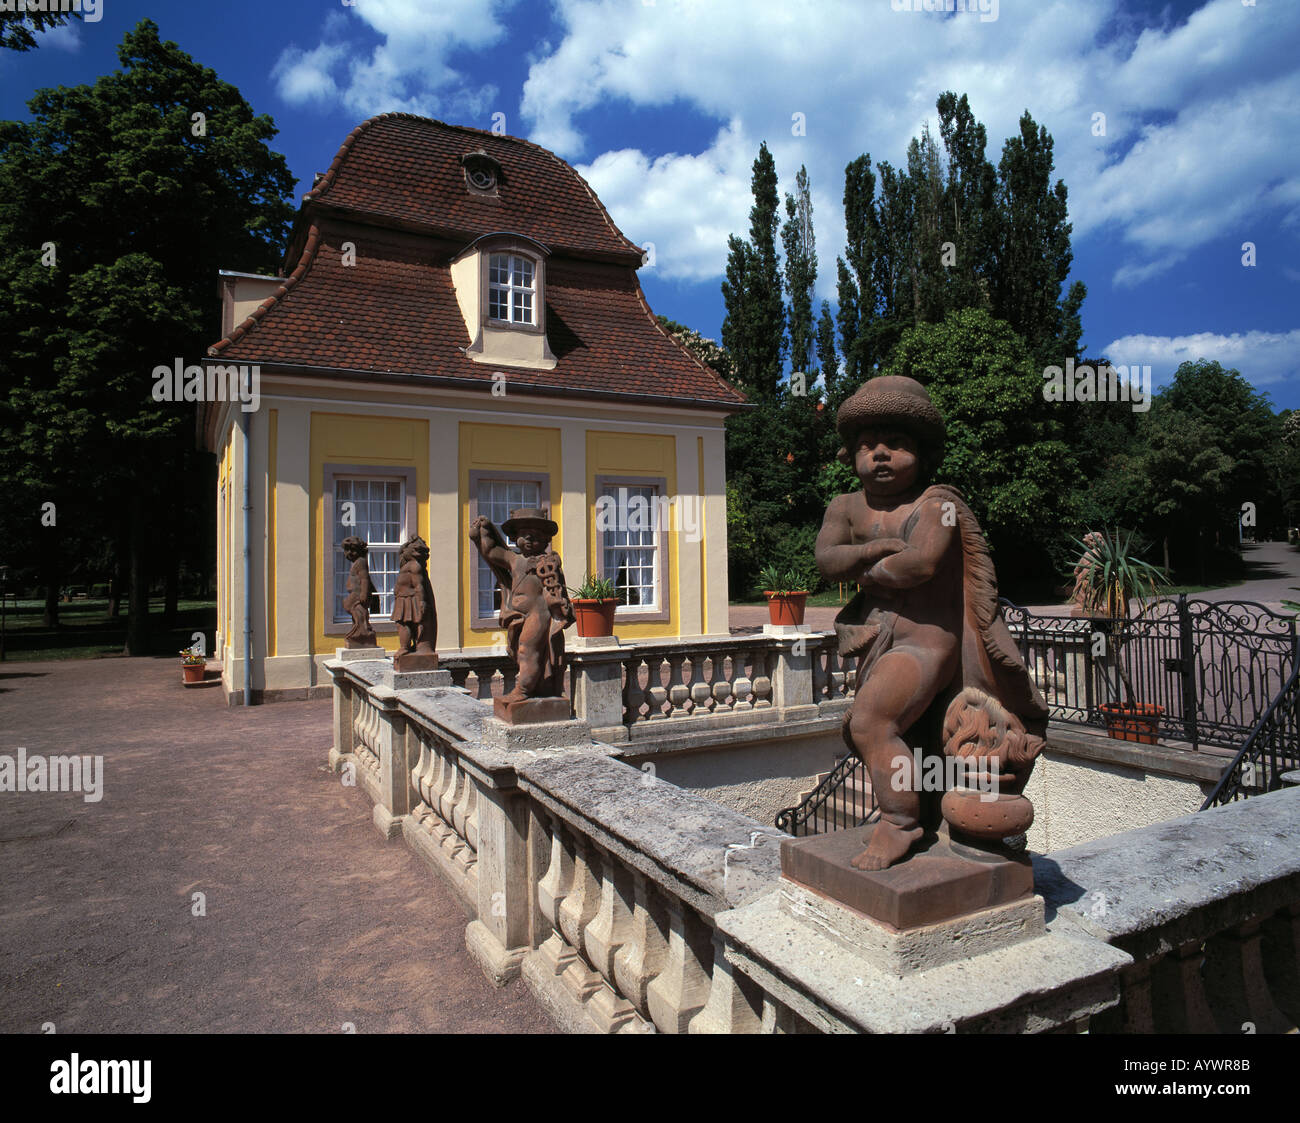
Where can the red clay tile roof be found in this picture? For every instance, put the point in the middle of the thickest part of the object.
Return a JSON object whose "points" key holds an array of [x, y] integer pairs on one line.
{"points": [[395, 310], [408, 168]]}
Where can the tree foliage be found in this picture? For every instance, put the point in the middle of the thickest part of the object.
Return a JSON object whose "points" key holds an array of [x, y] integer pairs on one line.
{"points": [[119, 206]]}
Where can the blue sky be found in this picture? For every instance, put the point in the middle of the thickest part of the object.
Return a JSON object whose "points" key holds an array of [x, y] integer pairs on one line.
{"points": [[662, 105]]}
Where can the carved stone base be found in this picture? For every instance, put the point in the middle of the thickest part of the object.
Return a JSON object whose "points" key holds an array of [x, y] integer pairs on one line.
{"points": [[499, 963], [411, 661], [531, 710], [576, 997], [353, 654], [395, 679], [388, 824], [1010, 979], [943, 881], [537, 736]]}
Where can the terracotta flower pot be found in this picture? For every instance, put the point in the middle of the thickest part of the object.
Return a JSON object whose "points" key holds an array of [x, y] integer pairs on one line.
{"points": [[595, 617], [193, 672], [1139, 722], [785, 608]]}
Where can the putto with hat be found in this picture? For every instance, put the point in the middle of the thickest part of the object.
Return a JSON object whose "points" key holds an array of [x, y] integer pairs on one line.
{"points": [[892, 401], [938, 673], [530, 518], [535, 610]]}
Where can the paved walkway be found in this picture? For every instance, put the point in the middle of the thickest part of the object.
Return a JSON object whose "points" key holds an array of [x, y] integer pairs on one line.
{"points": [[312, 920]]}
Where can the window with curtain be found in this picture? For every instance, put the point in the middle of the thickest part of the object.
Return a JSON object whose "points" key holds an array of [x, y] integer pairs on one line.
{"points": [[630, 548], [496, 498], [377, 515]]}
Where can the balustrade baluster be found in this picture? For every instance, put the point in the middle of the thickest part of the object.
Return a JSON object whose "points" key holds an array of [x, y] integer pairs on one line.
{"points": [[762, 681], [645, 951], [656, 692], [681, 989], [677, 691], [552, 891]]}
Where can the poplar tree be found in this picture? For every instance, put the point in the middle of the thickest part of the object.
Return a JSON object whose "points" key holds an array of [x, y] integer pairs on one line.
{"points": [[753, 332], [800, 246]]}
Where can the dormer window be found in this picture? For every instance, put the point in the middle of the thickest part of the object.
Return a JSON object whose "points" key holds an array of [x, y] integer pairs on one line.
{"points": [[500, 281], [512, 289]]}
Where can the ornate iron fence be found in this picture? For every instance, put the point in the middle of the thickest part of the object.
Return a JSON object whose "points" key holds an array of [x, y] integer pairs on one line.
{"points": [[1272, 748], [843, 799], [1211, 667]]}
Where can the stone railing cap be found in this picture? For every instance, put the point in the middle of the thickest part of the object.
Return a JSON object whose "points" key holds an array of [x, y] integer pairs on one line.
{"points": [[726, 858]]}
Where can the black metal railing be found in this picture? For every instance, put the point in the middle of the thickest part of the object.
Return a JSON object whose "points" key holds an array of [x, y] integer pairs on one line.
{"points": [[1211, 668], [843, 799], [1272, 748]]}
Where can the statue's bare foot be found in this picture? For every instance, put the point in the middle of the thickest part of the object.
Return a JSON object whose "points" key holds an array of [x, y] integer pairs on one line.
{"points": [[889, 844]]}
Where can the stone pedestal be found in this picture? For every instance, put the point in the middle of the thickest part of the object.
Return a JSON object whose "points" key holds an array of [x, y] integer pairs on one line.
{"points": [[396, 679], [592, 643], [531, 711], [786, 629], [411, 661], [942, 881], [353, 654], [537, 735], [952, 939]]}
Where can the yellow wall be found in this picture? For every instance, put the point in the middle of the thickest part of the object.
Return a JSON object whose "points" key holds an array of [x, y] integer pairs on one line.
{"points": [[225, 482], [653, 456], [272, 439], [362, 440], [502, 448]]}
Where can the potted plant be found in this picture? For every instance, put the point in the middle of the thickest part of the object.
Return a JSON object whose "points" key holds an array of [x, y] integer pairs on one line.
{"points": [[787, 595], [193, 666], [594, 603], [1109, 576]]}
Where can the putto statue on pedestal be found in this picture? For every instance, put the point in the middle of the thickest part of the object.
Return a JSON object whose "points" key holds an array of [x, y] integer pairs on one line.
{"points": [[938, 669], [414, 611], [535, 610], [356, 603]]}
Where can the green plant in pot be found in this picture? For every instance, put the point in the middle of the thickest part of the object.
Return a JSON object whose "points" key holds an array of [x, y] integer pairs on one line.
{"points": [[594, 604], [787, 594], [1109, 577]]}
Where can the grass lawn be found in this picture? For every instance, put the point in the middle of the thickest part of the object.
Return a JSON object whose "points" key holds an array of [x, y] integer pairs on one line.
{"points": [[86, 632]]}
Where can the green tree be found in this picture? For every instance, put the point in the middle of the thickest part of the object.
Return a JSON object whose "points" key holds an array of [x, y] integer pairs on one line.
{"points": [[800, 246], [120, 201], [1033, 254], [753, 332], [1005, 450]]}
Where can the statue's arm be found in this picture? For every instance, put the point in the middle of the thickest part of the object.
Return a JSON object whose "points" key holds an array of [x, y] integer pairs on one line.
{"points": [[483, 533], [838, 557], [922, 555]]}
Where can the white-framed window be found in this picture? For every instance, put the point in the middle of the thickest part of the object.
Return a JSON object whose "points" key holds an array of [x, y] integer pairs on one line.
{"points": [[512, 289], [373, 508], [495, 497], [631, 542]]}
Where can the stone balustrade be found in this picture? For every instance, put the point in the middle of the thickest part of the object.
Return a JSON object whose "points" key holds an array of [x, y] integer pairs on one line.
{"points": [[629, 905]]}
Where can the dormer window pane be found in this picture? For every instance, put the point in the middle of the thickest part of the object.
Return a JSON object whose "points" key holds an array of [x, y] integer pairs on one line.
{"points": [[511, 284]]}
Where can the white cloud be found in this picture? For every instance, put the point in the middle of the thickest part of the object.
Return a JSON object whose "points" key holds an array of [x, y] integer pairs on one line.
{"points": [[408, 71], [1200, 117], [64, 37], [1263, 357], [690, 242]]}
